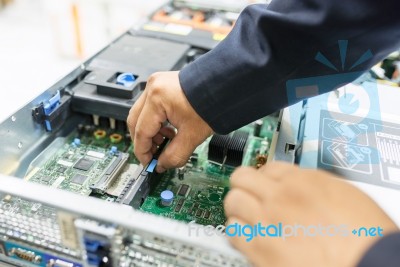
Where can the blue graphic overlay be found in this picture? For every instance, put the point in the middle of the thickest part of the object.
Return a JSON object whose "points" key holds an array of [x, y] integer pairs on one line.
{"points": [[338, 131]]}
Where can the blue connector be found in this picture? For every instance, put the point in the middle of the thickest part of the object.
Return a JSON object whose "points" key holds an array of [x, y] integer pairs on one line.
{"points": [[48, 125], [77, 141], [152, 165], [126, 79], [96, 251], [92, 245], [50, 105], [113, 150]]}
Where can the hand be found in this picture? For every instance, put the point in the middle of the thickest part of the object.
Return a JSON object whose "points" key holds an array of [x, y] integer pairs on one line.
{"points": [[280, 192], [162, 100]]}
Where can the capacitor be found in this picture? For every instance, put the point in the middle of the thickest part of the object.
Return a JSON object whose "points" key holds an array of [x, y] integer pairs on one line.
{"points": [[262, 155], [257, 128], [167, 196]]}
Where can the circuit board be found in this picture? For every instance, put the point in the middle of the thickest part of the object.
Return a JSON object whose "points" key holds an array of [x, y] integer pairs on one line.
{"points": [[100, 163], [200, 187], [92, 165], [199, 194]]}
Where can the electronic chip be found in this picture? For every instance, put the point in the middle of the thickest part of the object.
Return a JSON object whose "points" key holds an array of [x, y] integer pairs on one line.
{"points": [[79, 179], [84, 164], [183, 190], [61, 169], [46, 178]]}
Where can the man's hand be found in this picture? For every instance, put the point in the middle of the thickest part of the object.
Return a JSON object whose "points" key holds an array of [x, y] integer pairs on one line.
{"points": [[162, 100], [280, 192]]}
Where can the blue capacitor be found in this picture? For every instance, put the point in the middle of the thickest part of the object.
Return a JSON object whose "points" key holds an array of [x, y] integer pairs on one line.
{"points": [[126, 79], [167, 197]]}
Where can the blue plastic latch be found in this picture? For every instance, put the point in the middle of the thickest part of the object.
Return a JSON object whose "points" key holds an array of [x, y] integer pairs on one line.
{"points": [[126, 79], [50, 105], [152, 165], [113, 150], [77, 142], [48, 125]]}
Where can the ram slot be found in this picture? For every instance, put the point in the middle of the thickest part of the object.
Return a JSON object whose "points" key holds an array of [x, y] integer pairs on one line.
{"points": [[110, 174]]}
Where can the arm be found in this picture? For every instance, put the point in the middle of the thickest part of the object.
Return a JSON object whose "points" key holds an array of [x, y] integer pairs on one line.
{"points": [[244, 77]]}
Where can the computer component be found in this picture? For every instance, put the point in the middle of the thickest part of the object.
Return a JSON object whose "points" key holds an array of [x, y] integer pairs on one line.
{"points": [[202, 24], [84, 199]]}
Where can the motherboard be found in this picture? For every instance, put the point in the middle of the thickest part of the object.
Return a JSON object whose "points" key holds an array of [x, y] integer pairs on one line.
{"points": [[99, 162]]}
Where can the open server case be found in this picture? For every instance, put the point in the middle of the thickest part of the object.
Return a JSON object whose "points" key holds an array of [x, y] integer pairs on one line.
{"points": [[73, 194]]}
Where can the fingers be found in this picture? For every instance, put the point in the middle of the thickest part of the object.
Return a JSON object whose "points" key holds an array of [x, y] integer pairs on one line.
{"points": [[164, 100], [165, 132], [135, 112], [244, 206], [158, 139], [277, 171], [241, 242], [148, 125], [168, 132], [251, 181], [178, 151]]}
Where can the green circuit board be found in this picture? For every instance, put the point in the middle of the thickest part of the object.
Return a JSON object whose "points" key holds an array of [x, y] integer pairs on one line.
{"points": [[199, 194], [199, 187], [78, 167]]}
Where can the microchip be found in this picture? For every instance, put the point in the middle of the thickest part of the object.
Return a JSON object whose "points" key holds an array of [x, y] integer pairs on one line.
{"points": [[46, 178], [79, 179], [183, 190], [61, 169], [83, 164]]}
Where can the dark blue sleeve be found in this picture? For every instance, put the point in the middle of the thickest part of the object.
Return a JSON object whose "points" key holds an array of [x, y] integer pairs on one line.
{"points": [[385, 253], [245, 77]]}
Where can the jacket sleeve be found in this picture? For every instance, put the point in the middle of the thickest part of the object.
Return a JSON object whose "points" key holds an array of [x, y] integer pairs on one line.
{"points": [[385, 252], [245, 77]]}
